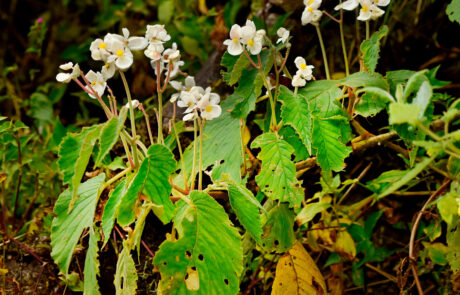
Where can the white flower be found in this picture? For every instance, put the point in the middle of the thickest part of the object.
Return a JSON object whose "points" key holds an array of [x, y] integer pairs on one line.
{"points": [[303, 69], [154, 51], [133, 43], [283, 35], [121, 55], [187, 86], [190, 116], [172, 57], [369, 10], [67, 77], [234, 43], [311, 12], [134, 103], [251, 38], [348, 5], [108, 70], [209, 105], [156, 35], [98, 49], [382, 2], [187, 100], [97, 82], [298, 81]]}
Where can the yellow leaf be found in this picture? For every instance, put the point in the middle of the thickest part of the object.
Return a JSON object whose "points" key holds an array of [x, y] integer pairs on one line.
{"points": [[246, 135], [192, 280], [297, 273], [344, 245]]}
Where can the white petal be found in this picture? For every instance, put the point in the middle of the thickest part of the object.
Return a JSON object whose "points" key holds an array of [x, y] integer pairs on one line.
{"points": [[134, 103], [382, 2], [316, 15], [174, 97], [189, 82], [137, 43], [188, 117], [63, 77], [125, 33], [176, 85], [299, 61], [214, 98], [108, 71], [124, 61], [348, 5], [235, 32], [91, 76], [307, 17], [66, 66], [364, 15], [376, 12], [235, 48], [298, 81]]}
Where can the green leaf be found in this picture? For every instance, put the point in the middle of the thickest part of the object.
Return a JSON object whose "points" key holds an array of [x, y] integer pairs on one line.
{"points": [[74, 154], [300, 151], [331, 152], [453, 11], [109, 135], [277, 177], [278, 231], [448, 207], [91, 271], [370, 105], [165, 11], [408, 176], [453, 241], [296, 113], [221, 146], [246, 209], [423, 98], [110, 209], [244, 106], [67, 228], [126, 274], [404, 113], [235, 66], [208, 255], [371, 48], [383, 95], [309, 211], [365, 79], [453, 167], [152, 180], [414, 83]]}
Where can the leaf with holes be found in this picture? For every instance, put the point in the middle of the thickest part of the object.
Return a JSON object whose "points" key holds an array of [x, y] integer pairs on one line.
{"points": [[207, 258], [297, 273], [246, 209], [296, 113], [91, 270], [278, 232], [277, 177], [74, 154], [67, 228], [371, 48], [126, 274], [152, 180], [109, 135], [453, 11]]}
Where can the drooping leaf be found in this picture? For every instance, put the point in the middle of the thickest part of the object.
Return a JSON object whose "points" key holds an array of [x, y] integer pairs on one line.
{"points": [[453, 11], [235, 66], [277, 177], [404, 113], [246, 209], [290, 136], [414, 83], [371, 48], [67, 228], [309, 211], [370, 105], [221, 145], [344, 245], [297, 273], [207, 258], [109, 135], [423, 98], [278, 232], [110, 209], [296, 113], [365, 79], [126, 274], [74, 154], [91, 287], [152, 180], [331, 152]]}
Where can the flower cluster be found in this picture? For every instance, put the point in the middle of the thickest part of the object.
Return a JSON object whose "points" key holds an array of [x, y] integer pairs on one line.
{"points": [[195, 99], [283, 35], [304, 72], [246, 36], [369, 8], [311, 13]]}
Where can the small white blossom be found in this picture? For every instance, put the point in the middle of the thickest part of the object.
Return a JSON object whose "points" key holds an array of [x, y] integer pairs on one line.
{"points": [[283, 35], [156, 35], [187, 100], [108, 69], [348, 5], [134, 103], [234, 43], [171, 56], [209, 105], [251, 38], [121, 55], [67, 77], [369, 8], [190, 116], [133, 43], [99, 50], [303, 69], [187, 86], [97, 82], [311, 12], [298, 81]]}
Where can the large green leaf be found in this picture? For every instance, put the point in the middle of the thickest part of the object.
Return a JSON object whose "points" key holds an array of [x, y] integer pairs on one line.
{"points": [[109, 135], [365, 79], [296, 113], [331, 152], [300, 151], [126, 275], [91, 287], [110, 209], [277, 177], [74, 154], [370, 105], [453, 11], [279, 230], [221, 145], [246, 209], [152, 180], [208, 256], [371, 48], [67, 228]]}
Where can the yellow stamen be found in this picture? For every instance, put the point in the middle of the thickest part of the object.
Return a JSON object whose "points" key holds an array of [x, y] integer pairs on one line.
{"points": [[208, 108], [93, 83], [365, 8], [107, 65], [311, 2], [190, 104], [310, 9], [235, 40], [120, 52], [102, 45], [303, 66], [251, 42]]}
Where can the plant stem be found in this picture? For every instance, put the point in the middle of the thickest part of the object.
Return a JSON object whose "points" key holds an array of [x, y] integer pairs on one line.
{"points": [[18, 187], [179, 147], [342, 39], [367, 30], [436, 137], [115, 178], [272, 102], [200, 176], [139, 224], [192, 184], [131, 116], [160, 105], [323, 50], [147, 122]]}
